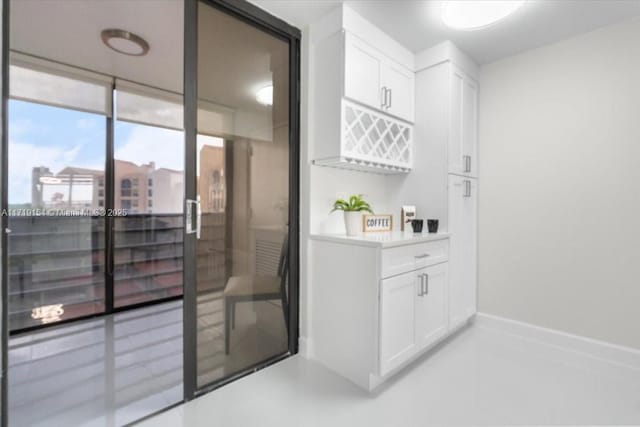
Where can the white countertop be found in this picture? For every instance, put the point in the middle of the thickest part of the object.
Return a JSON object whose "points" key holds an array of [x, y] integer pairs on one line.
{"points": [[385, 240]]}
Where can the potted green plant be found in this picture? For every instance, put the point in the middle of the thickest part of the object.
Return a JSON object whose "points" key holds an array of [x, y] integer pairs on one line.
{"points": [[353, 210]]}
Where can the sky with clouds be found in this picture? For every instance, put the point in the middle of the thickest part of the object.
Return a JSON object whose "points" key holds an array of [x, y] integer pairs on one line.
{"points": [[41, 135]]}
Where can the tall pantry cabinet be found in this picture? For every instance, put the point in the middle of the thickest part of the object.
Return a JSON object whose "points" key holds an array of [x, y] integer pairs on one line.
{"points": [[447, 87]]}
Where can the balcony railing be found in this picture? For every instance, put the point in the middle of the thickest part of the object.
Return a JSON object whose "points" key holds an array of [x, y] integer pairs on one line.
{"points": [[57, 264]]}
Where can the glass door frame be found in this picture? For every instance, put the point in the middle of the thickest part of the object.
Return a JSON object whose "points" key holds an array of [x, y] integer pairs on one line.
{"points": [[262, 20], [4, 205]]}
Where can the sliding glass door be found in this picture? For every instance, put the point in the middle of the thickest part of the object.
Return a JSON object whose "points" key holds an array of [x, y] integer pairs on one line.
{"points": [[239, 225], [129, 183]]}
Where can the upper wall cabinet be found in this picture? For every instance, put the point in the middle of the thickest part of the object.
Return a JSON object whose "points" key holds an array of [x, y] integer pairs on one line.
{"points": [[361, 96], [463, 137], [447, 106], [374, 79]]}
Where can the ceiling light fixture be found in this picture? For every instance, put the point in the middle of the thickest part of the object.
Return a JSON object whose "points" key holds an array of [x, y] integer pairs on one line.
{"points": [[124, 42], [477, 14], [265, 95]]}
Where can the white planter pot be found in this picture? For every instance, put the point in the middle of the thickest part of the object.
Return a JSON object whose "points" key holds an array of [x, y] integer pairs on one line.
{"points": [[353, 223]]}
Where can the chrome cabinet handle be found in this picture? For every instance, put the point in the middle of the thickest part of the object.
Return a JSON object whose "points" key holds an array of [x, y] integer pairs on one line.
{"points": [[390, 98], [421, 256], [421, 292], [467, 163], [384, 97], [426, 284], [467, 188]]}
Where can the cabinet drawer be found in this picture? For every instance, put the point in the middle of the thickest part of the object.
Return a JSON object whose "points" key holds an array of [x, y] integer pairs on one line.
{"points": [[412, 257]]}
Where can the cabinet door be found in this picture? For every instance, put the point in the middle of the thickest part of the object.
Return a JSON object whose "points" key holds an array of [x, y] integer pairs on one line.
{"points": [[397, 320], [456, 114], [470, 128], [400, 83], [462, 249], [431, 307], [362, 73], [470, 248]]}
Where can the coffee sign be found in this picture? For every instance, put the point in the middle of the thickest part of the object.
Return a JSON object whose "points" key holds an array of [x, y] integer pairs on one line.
{"points": [[377, 223]]}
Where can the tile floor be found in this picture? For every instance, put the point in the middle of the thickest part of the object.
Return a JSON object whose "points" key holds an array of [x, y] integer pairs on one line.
{"points": [[104, 372], [117, 369], [481, 377]]}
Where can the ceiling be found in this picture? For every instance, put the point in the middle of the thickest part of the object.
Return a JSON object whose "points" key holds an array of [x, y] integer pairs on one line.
{"points": [[417, 25], [68, 31]]}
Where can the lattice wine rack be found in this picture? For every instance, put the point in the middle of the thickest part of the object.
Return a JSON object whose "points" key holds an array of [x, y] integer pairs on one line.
{"points": [[372, 141]]}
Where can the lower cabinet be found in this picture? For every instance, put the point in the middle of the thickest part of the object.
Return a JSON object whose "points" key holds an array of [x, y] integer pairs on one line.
{"points": [[431, 306], [397, 319], [413, 314], [377, 304]]}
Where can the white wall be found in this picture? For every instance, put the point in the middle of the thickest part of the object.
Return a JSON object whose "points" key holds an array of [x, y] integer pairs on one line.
{"points": [[327, 184], [560, 186]]}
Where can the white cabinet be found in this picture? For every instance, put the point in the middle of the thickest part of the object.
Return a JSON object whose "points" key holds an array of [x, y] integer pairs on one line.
{"points": [[413, 314], [363, 67], [374, 79], [446, 117], [399, 85], [432, 305], [378, 302], [456, 89], [463, 123], [397, 319], [470, 127], [463, 199], [363, 106]]}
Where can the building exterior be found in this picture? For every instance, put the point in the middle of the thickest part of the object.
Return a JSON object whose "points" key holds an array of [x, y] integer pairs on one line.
{"points": [[134, 190]]}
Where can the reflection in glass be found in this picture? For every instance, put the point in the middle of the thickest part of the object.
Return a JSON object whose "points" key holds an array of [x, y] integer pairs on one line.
{"points": [[242, 183], [56, 245], [149, 187]]}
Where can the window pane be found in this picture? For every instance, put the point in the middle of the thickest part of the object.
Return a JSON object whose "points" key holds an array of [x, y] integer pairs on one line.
{"points": [[148, 240], [56, 247]]}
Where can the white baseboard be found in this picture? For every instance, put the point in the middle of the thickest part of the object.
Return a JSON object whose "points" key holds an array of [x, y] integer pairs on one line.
{"points": [[612, 353]]}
